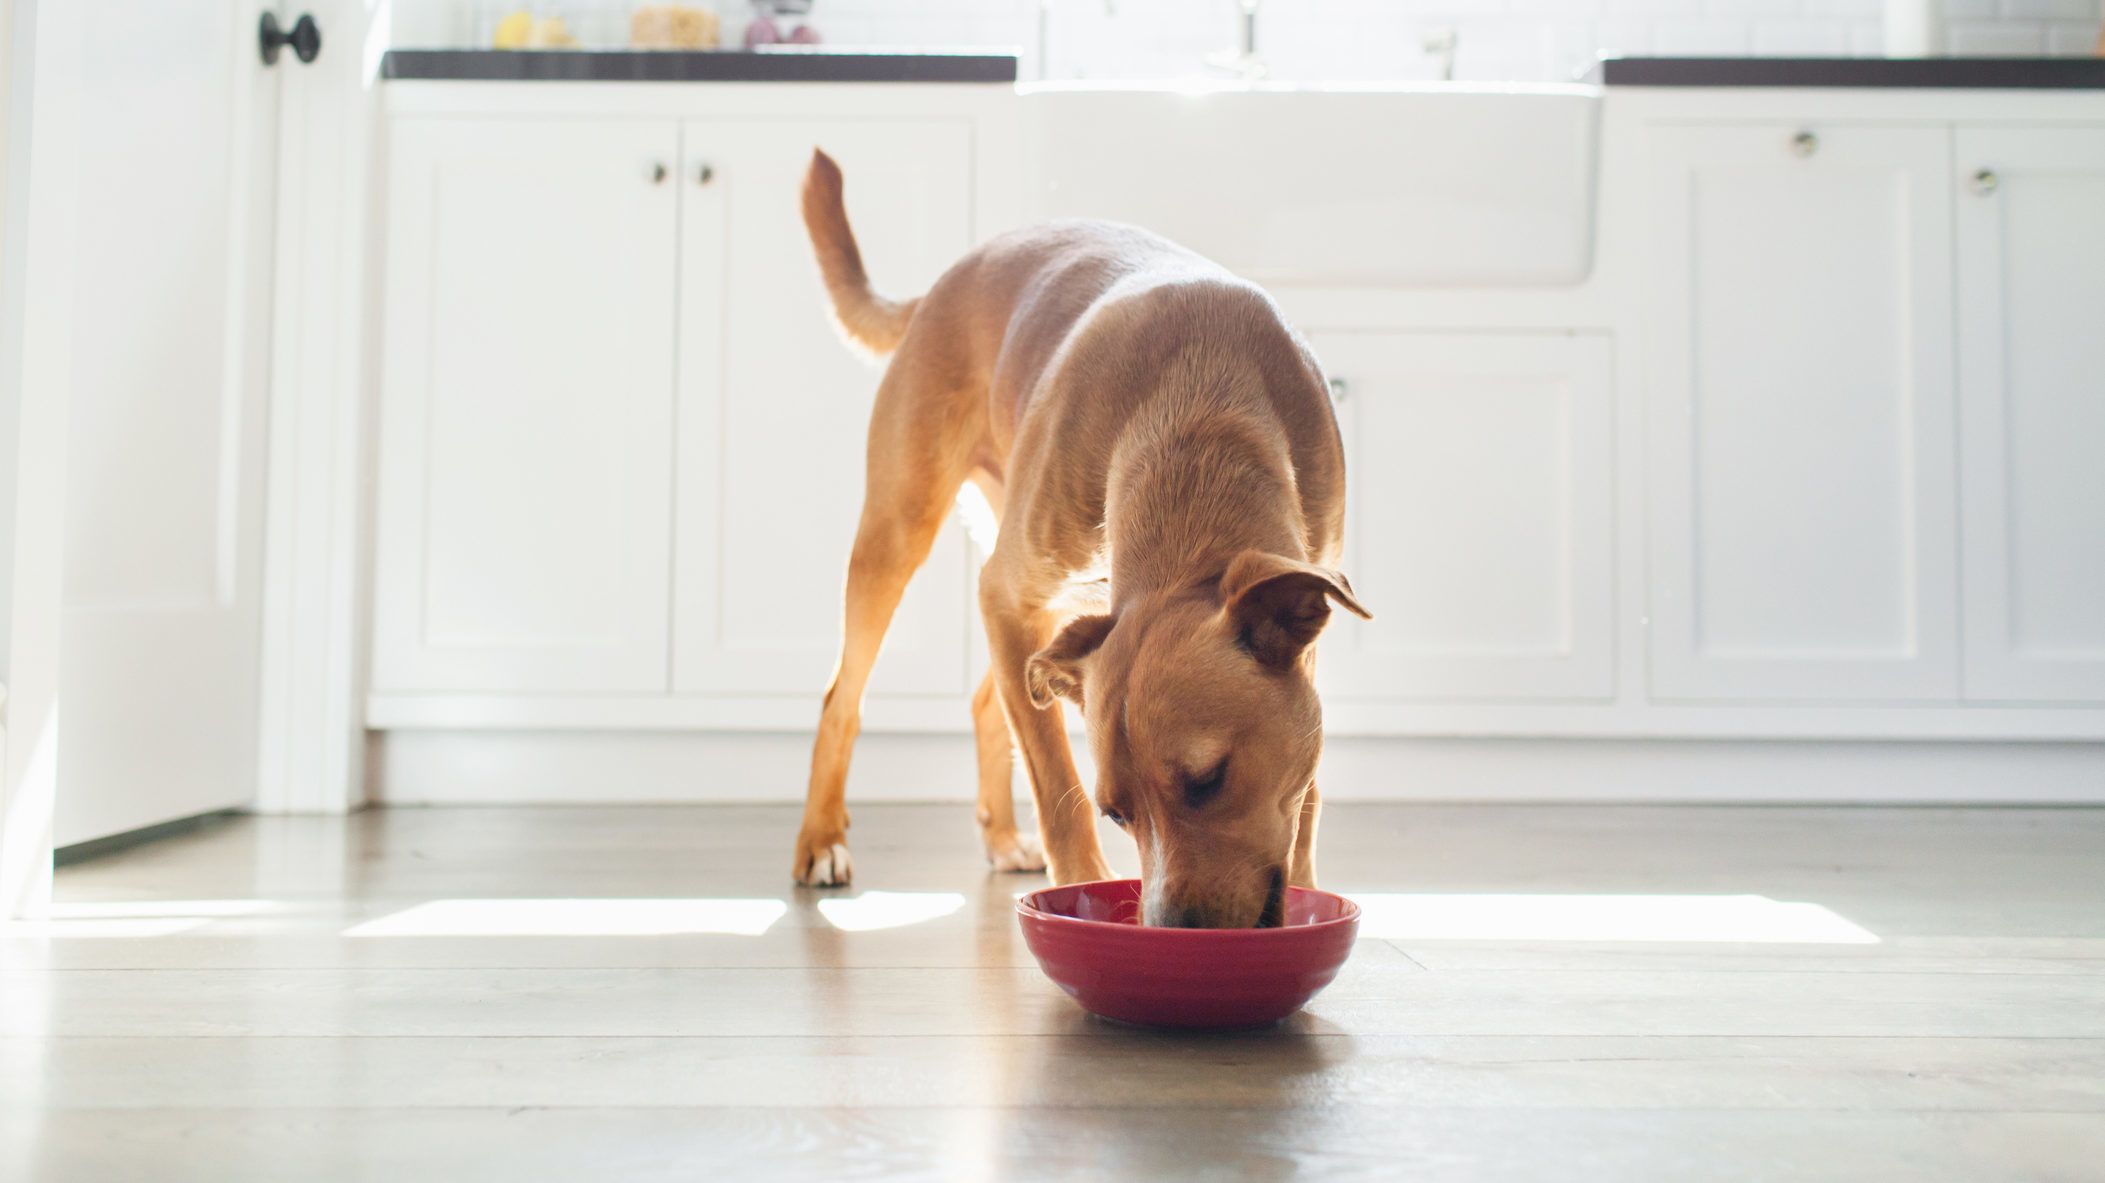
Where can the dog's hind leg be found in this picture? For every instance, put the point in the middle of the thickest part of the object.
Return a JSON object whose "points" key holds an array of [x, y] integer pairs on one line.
{"points": [[910, 485], [978, 510], [1007, 850]]}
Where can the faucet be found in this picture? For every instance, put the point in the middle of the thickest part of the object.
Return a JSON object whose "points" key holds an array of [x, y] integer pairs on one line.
{"points": [[1442, 41], [1242, 61]]}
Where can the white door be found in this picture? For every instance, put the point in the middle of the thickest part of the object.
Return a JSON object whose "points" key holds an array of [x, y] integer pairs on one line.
{"points": [[1798, 387], [1478, 516], [178, 118], [2032, 410], [525, 486], [774, 408]]}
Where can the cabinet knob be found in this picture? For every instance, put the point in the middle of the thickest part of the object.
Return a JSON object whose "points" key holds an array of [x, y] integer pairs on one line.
{"points": [[1804, 143], [304, 38], [704, 174], [657, 172], [1984, 181], [1339, 388]]}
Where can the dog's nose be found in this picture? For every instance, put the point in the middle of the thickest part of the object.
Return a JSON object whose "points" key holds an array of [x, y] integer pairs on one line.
{"points": [[1200, 915], [1171, 914]]}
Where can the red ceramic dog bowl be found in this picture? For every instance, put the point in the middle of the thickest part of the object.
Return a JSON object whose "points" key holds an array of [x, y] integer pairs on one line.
{"points": [[1089, 939]]}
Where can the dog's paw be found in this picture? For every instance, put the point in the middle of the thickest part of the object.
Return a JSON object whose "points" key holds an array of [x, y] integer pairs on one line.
{"points": [[1014, 852], [824, 864]]}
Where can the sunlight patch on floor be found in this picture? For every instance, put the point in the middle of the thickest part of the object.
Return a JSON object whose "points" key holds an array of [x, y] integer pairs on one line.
{"points": [[130, 918], [576, 918], [1748, 919], [889, 909]]}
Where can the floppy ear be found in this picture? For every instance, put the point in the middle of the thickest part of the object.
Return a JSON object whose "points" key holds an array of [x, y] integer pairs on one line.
{"points": [[1278, 604], [1056, 670]]}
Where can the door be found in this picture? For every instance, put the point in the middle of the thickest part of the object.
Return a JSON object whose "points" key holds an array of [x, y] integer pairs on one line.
{"points": [[2032, 411], [1798, 389], [164, 489], [525, 483], [774, 408], [1478, 516]]}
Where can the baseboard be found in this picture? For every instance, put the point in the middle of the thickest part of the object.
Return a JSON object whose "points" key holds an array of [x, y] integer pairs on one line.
{"points": [[506, 767], [78, 852]]}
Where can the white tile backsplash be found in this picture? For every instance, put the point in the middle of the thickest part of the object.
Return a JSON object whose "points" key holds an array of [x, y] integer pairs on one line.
{"points": [[1997, 38], [1344, 40]]}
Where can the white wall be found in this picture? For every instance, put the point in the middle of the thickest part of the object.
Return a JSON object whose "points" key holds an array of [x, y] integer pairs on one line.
{"points": [[1539, 40]]}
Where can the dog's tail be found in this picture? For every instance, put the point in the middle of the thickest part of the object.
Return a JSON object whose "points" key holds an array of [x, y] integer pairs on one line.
{"points": [[865, 318]]}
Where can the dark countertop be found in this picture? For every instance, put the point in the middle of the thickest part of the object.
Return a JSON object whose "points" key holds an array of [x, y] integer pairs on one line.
{"points": [[707, 65], [1902, 73]]}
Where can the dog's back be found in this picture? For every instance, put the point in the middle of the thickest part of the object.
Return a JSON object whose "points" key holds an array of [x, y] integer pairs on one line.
{"points": [[1103, 301]]}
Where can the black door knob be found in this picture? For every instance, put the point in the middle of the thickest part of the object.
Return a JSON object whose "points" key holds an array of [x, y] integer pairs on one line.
{"points": [[305, 37]]}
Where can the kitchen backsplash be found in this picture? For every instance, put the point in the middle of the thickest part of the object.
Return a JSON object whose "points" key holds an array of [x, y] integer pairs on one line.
{"points": [[1338, 40]]}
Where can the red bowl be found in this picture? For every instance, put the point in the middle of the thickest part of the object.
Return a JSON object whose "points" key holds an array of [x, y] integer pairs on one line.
{"points": [[1089, 940]]}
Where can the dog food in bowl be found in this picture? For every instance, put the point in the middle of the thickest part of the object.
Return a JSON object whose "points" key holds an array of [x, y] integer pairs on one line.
{"points": [[1090, 942]]}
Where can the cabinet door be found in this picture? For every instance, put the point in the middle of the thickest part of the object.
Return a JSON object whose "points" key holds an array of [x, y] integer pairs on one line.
{"points": [[2032, 410], [1478, 516], [1798, 390], [526, 422], [774, 408]]}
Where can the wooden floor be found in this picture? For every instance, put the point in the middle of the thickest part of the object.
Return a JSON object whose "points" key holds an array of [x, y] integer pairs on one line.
{"points": [[1772, 993]]}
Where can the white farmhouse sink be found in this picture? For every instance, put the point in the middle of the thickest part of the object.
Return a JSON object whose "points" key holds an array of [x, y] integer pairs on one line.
{"points": [[1438, 185]]}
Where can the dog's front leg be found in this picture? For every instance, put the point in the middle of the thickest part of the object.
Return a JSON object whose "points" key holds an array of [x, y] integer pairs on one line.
{"points": [[1066, 816], [1303, 871]]}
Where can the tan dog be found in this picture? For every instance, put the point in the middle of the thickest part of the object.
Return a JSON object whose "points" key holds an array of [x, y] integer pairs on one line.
{"points": [[1128, 408]]}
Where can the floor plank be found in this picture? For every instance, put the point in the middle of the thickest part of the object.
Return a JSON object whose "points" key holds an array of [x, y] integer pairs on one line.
{"points": [[1084, 1069], [1349, 1145]]}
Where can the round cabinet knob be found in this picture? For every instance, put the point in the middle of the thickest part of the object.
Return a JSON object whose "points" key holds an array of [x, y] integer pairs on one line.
{"points": [[305, 38], [1984, 181], [1804, 143], [704, 174], [1339, 388], [657, 172]]}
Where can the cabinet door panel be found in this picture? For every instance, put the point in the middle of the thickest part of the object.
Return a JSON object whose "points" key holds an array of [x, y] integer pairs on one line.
{"points": [[525, 478], [1478, 517], [1799, 395], [774, 408], [2032, 411]]}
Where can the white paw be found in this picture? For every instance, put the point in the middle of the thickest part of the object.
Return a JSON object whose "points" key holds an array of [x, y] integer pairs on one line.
{"points": [[1017, 853], [831, 867]]}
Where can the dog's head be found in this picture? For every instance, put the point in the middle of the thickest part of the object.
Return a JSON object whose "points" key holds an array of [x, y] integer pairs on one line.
{"points": [[1205, 725]]}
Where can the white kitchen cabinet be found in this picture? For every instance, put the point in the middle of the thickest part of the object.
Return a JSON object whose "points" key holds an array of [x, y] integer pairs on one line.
{"points": [[1478, 517], [622, 444], [2031, 303], [525, 474], [773, 407], [1799, 398]]}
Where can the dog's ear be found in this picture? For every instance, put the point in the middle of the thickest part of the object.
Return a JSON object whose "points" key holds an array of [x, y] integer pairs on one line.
{"points": [[1056, 670], [1277, 605]]}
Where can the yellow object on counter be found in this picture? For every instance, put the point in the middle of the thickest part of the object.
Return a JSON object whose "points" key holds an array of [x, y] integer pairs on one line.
{"points": [[674, 26], [551, 33], [513, 31], [524, 30]]}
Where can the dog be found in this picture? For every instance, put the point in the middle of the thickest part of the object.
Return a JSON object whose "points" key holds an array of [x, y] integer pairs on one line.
{"points": [[1159, 448]]}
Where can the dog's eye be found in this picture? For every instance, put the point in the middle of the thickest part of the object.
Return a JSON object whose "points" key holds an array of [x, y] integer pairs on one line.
{"points": [[1199, 790], [1117, 819]]}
